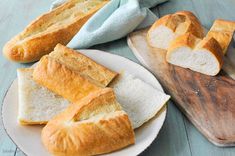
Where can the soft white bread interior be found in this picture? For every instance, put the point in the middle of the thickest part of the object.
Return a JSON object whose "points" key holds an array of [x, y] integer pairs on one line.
{"points": [[204, 56], [37, 104], [140, 100], [57, 26], [222, 31], [167, 28], [94, 125]]}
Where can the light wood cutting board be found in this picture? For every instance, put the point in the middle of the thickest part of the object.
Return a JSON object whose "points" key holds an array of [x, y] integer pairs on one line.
{"points": [[208, 102]]}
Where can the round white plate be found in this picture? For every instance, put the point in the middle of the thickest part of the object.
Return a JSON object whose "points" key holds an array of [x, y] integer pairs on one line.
{"points": [[28, 139]]}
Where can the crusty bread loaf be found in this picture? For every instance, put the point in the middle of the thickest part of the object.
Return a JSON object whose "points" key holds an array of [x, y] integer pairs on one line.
{"points": [[167, 28], [57, 26], [37, 104], [222, 31], [140, 100], [94, 125], [61, 80], [82, 64], [204, 56]]}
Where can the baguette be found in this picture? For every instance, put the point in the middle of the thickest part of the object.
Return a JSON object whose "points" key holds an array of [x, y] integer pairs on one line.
{"points": [[61, 80], [57, 26], [169, 27], [82, 64], [200, 55], [95, 125], [222, 31]]}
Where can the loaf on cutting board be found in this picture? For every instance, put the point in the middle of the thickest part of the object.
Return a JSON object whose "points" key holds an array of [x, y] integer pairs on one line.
{"points": [[168, 27], [202, 55], [95, 125], [57, 26]]}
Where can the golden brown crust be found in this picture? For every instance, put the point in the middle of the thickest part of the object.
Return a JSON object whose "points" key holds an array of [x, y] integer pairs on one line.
{"points": [[191, 41], [222, 31], [57, 26], [82, 64], [27, 122], [94, 125], [187, 40], [213, 46], [180, 22], [61, 80]]}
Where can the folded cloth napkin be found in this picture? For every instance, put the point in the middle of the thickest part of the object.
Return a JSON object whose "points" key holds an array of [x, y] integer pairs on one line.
{"points": [[114, 21]]}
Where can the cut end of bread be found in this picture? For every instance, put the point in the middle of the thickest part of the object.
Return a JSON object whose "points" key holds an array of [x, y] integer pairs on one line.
{"points": [[168, 27], [160, 37], [203, 56], [37, 104], [140, 100], [202, 61]]}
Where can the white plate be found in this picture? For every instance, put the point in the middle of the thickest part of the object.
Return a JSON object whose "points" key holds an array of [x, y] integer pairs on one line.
{"points": [[27, 138]]}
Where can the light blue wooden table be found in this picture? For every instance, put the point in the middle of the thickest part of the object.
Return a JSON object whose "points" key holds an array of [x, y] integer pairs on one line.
{"points": [[178, 137]]}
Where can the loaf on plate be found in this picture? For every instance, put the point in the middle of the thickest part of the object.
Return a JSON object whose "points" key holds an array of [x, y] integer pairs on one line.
{"points": [[82, 64], [57, 26], [62, 78], [95, 125], [168, 27]]}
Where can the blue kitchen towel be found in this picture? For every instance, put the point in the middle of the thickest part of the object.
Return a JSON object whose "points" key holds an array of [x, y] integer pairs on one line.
{"points": [[114, 21]]}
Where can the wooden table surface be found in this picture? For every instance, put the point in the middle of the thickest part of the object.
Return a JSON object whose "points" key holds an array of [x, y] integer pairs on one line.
{"points": [[178, 137]]}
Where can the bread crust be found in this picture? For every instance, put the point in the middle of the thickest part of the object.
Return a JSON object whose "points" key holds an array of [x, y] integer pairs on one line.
{"points": [[222, 31], [82, 64], [181, 22], [61, 80], [57, 26], [194, 43], [94, 125]]}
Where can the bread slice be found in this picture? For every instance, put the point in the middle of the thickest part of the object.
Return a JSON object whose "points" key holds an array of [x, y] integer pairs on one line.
{"points": [[222, 31], [92, 126], [61, 80], [169, 27], [204, 56], [82, 64], [37, 104], [140, 100], [57, 26]]}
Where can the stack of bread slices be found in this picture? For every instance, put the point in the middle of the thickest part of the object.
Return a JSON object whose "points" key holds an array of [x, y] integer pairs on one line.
{"points": [[181, 35], [88, 109]]}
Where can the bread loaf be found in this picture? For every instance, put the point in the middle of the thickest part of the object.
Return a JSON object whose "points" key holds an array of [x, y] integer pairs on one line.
{"points": [[222, 31], [61, 80], [37, 104], [44, 33], [71, 74], [200, 55], [168, 27], [82, 64], [92, 126]]}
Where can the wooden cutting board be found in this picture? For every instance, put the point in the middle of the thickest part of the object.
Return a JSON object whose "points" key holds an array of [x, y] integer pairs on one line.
{"points": [[208, 102]]}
